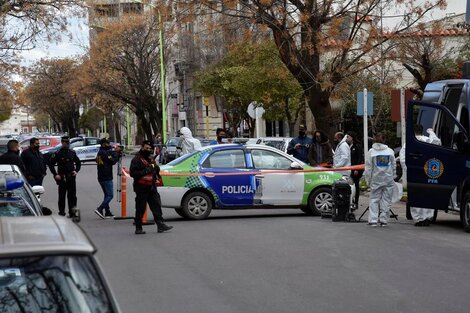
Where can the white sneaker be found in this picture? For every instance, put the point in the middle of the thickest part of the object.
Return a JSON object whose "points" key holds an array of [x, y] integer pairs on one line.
{"points": [[383, 224], [372, 224]]}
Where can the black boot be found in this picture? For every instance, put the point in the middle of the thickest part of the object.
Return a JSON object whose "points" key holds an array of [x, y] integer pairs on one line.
{"points": [[138, 227], [162, 226]]}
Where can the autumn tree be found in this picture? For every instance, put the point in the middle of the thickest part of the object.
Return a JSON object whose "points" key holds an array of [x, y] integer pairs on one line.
{"points": [[245, 66], [53, 88], [6, 103], [23, 22], [428, 56], [324, 42], [124, 65]]}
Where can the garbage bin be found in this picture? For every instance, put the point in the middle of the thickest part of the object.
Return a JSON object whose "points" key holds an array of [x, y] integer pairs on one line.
{"points": [[341, 200]]}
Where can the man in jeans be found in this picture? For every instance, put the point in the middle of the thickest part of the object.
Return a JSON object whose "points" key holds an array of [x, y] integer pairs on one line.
{"points": [[105, 160]]}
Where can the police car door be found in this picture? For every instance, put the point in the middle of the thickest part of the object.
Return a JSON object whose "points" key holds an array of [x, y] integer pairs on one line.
{"points": [[283, 187], [436, 165], [228, 177]]}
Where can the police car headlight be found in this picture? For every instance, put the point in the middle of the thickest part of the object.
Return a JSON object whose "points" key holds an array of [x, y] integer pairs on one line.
{"points": [[348, 179]]}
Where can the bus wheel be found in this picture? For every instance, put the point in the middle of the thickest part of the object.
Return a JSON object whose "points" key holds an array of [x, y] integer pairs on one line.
{"points": [[465, 212]]}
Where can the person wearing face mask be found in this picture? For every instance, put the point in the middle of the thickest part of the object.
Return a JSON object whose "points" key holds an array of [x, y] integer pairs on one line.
{"points": [[35, 168], [68, 165], [12, 156], [320, 152], [189, 143], [221, 136], [105, 159], [146, 173], [342, 156], [299, 146]]}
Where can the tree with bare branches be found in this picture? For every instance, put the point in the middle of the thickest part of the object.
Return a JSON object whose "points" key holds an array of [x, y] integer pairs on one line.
{"points": [[124, 66], [324, 42]]}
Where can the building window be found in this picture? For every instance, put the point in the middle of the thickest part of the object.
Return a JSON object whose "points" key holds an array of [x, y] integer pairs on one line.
{"points": [[132, 8], [107, 10]]}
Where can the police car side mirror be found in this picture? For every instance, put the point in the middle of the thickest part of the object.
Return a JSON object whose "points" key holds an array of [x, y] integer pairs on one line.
{"points": [[38, 190], [295, 166]]}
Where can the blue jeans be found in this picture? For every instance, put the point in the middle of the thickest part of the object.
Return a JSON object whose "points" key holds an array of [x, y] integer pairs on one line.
{"points": [[107, 187]]}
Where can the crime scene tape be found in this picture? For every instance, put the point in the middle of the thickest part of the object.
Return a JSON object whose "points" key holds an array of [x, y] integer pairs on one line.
{"points": [[359, 167]]}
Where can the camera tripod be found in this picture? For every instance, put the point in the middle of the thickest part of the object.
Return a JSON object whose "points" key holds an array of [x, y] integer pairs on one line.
{"points": [[392, 214]]}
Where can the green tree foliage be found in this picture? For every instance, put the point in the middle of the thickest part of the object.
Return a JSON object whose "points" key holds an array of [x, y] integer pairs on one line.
{"points": [[91, 119], [253, 72]]}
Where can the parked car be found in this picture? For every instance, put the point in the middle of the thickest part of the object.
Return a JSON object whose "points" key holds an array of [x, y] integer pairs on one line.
{"points": [[48, 264], [17, 197], [171, 150], [44, 142], [85, 147], [3, 145], [280, 143], [233, 176]]}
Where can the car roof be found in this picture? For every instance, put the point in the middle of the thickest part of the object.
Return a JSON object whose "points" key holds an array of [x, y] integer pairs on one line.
{"points": [[44, 235], [9, 168]]}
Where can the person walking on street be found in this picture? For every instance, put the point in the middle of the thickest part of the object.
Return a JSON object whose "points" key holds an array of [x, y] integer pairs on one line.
{"points": [[145, 173], [342, 157], [68, 165], [105, 160], [35, 168], [300, 145], [320, 152], [357, 157], [379, 173], [12, 156], [190, 144]]}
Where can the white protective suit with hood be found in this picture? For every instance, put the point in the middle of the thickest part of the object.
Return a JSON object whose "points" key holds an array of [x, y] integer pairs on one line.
{"points": [[342, 157], [380, 170], [420, 214], [190, 144]]}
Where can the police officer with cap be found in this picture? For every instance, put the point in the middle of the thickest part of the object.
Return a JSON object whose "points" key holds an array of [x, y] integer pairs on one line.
{"points": [[68, 165]]}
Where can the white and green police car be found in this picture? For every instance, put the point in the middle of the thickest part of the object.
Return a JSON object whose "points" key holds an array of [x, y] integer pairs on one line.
{"points": [[231, 176]]}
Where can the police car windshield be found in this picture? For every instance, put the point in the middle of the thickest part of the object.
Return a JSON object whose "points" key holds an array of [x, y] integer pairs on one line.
{"points": [[182, 158], [14, 206], [51, 284]]}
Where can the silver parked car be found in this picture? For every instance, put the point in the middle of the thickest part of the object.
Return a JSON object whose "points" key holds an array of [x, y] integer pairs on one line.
{"points": [[48, 264]]}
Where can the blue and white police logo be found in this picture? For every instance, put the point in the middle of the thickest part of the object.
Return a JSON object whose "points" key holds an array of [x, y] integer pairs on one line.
{"points": [[433, 168]]}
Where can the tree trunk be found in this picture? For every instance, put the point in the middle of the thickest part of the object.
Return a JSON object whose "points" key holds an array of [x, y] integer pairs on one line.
{"points": [[319, 104]]}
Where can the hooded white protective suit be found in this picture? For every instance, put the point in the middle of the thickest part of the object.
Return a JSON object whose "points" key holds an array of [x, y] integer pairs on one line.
{"points": [[190, 144], [420, 214], [342, 157], [379, 173]]}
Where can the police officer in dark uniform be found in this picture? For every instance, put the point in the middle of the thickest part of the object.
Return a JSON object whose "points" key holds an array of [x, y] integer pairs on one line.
{"points": [[145, 172], [68, 165]]}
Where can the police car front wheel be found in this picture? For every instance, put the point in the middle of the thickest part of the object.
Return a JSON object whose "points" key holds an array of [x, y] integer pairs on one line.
{"points": [[197, 205], [465, 212], [320, 201]]}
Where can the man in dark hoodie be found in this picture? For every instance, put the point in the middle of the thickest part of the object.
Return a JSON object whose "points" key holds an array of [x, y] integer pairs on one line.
{"points": [[146, 172], [105, 160], [35, 168], [12, 156], [320, 152]]}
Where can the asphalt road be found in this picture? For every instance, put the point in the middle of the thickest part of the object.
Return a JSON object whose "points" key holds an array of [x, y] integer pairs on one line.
{"points": [[276, 261]]}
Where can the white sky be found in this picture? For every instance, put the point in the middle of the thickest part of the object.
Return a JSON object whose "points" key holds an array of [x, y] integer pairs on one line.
{"points": [[79, 41]]}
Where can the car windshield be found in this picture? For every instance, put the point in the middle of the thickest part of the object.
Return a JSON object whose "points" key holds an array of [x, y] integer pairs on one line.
{"points": [[21, 192], [275, 144], [173, 142], [13, 206], [182, 158], [51, 284]]}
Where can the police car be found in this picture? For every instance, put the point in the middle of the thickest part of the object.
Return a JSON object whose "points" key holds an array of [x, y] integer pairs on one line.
{"points": [[233, 176], [17, 198], [48, 264], [86, 148]]}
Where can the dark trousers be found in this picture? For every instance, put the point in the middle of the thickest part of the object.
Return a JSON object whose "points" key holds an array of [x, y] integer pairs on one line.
{"points": [[36, 181], [152, 197], [67, 186]]}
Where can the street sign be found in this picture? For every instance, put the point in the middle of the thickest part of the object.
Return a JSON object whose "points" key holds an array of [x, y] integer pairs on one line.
{"points": [[205, 101], [360, 103]]}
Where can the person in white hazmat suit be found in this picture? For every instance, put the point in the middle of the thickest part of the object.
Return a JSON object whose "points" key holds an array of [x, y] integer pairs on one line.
{"points": [[380, 170], [342, 156], [421, 216], [189, 143]]}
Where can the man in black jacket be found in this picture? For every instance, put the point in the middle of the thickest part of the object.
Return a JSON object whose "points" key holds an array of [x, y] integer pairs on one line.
{"points": [[145, 172], [68, 165], [33, 161], [105, 160], [12, 156]]}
